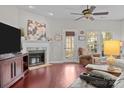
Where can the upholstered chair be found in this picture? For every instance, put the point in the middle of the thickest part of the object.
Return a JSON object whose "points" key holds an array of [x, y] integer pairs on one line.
{"points": [[85, 57]]}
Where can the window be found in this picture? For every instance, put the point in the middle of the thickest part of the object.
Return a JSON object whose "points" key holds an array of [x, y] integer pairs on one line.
{"points": [[92, 41], [106, 36], [69, 50]]}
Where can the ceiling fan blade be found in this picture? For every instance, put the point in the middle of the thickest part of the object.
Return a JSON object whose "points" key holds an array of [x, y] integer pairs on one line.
{"points": [[101, 13], [92, 8], [91, 18], [79, 18], [76, 13]]}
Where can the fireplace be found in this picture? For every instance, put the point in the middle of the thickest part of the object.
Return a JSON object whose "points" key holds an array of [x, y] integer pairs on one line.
{"points": [[38, 52], [36, 57]]}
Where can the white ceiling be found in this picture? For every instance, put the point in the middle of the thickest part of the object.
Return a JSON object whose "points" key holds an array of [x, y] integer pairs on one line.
{"points": [[116, 12]]}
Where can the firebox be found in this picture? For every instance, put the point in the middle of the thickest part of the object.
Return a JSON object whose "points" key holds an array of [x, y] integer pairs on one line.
{"points": [[36, 57]]}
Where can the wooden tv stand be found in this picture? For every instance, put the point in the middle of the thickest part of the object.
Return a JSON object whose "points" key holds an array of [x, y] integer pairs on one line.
{"points": [[12, 68]]}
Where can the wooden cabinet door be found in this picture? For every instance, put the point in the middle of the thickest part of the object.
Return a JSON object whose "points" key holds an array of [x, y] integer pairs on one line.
{"points": [[18, 66], [11, 70], [6, 72]]}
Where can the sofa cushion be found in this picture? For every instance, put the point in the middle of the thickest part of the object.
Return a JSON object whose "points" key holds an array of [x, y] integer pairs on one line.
{"points": [[80, 83], [97, 80], [103, 74]]}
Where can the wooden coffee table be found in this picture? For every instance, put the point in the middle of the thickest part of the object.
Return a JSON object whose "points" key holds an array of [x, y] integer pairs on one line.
{"points": [[117, 71]]}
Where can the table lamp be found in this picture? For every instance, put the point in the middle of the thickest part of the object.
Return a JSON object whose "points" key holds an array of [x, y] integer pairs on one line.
{"points": [[111, 48]]}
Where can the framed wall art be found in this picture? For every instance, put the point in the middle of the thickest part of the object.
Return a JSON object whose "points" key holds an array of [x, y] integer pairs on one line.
{"points": [[36, 30], [58, 37], [81, 38]]}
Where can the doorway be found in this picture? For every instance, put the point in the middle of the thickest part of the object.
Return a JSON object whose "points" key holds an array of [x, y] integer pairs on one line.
{"points": [[69, 46]]}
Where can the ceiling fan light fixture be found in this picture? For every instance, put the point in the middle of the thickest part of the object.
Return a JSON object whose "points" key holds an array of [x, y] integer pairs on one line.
{"points": [[86, 11], [87, 15]]}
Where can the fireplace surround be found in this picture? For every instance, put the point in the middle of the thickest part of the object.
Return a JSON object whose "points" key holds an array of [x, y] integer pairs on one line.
{"points": [[38, 52]]}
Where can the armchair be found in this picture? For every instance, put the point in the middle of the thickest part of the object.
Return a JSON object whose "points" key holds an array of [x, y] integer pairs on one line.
{"points": [[85, 57]]}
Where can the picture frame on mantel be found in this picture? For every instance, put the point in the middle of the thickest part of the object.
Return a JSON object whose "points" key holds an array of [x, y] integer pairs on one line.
{"points": [[58, 38], [81, 38]]}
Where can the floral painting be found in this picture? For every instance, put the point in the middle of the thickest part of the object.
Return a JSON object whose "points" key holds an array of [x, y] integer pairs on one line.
{"points": [[36, 30]]}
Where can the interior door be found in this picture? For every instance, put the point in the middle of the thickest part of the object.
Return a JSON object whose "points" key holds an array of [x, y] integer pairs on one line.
{"points": [[69, 46]]}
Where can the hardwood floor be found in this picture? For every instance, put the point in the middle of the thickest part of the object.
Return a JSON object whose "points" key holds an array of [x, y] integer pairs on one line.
{"points": [[55, 76]]}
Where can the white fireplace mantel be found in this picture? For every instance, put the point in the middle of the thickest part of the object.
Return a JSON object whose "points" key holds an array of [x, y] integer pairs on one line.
{"points": [[37, 45]]}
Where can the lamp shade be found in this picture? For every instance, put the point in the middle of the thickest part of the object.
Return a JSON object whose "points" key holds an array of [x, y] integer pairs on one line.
{"points": [[112, 47]]}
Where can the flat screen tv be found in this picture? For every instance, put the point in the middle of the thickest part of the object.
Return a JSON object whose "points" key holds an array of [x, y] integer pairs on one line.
{"points": [[10, 39]]}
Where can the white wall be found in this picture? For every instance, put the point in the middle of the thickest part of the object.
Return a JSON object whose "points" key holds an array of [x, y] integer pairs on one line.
{"points": [[122, 30], [23, 16], [122, 35], [18, 18], [9, 15], [58, 26]]}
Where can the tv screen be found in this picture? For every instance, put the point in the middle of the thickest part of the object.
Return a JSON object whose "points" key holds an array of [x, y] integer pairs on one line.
{"points": [[10, 39]]}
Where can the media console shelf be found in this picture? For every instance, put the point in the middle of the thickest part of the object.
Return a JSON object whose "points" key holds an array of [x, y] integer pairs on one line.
{"points": [[12, 69]]}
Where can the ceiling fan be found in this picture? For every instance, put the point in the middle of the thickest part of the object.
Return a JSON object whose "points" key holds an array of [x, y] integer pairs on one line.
{"points": [[88, 13]]}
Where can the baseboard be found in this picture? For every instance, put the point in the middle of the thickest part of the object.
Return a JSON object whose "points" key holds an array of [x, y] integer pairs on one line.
{"points": [[56, 61]]}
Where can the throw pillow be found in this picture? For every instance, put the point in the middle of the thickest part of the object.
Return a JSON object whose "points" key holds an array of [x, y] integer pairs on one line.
{"points": [[103, 74]]}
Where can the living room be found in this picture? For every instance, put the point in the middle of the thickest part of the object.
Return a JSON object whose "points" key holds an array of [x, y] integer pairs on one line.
{"points": [[19, 17], [60, 30]]}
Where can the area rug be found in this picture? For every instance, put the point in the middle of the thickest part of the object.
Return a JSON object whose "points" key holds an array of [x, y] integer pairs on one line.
{"points": [[39, 66], [80, 83]]}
